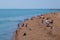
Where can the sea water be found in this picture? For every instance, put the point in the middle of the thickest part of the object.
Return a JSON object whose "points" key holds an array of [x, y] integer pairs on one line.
{"points": [[9, 19]]}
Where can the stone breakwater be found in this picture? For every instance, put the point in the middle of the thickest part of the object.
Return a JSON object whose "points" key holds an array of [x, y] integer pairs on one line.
{"points": [[36, 29]]}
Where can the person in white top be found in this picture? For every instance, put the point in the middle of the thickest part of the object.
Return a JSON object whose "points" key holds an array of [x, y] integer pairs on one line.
{"points": [[49, 22]]}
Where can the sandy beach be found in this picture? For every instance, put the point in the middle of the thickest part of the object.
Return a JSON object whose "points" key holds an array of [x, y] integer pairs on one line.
{"points": [[35, 29]]}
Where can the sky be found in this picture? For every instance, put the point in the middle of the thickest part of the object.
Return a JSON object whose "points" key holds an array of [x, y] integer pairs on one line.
{"points": [[29, 4]]}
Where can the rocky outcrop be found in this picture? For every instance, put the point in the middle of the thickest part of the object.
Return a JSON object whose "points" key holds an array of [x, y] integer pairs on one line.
{"points": [[35, 29]]}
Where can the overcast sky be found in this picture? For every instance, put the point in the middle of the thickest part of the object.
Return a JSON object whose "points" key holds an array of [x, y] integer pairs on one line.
{"points": [[29, 4]]}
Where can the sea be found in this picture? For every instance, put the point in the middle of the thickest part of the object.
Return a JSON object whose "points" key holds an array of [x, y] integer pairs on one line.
{"points": [[10, 18]]}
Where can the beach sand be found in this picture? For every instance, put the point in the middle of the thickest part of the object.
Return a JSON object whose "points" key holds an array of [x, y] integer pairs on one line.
{"points": [[34, 29]]}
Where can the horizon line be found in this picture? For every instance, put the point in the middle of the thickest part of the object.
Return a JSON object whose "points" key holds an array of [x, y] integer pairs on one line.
{"points": [[32, 8]]}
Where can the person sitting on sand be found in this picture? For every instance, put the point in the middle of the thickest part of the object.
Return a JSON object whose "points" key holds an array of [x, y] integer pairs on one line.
{"points": [[48, 22]]}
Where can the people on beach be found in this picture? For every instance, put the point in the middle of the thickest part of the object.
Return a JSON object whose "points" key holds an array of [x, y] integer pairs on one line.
{"points": [[22, 25], [48, 22]]}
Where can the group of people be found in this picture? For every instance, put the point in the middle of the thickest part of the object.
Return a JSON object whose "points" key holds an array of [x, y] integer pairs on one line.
{"points": [[48, 21]]}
